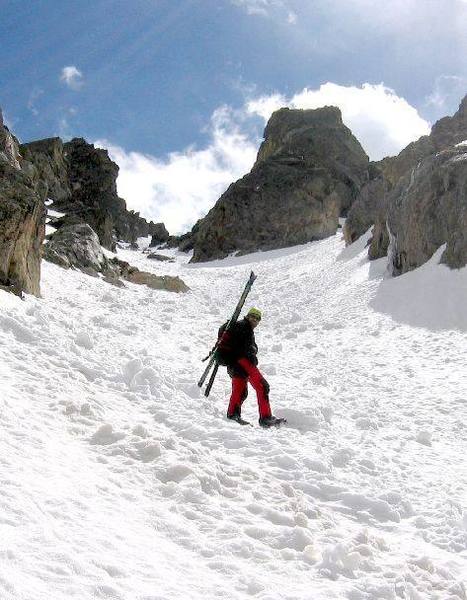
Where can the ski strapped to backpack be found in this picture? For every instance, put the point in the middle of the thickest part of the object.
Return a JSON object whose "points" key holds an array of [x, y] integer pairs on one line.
{"points": [[212, 356]]}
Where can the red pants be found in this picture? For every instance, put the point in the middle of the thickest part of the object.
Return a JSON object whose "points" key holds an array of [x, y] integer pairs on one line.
{"points": [[240, 392]]}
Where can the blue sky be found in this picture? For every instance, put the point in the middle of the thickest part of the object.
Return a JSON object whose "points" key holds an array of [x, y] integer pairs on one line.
{"points": [[179, 91]]}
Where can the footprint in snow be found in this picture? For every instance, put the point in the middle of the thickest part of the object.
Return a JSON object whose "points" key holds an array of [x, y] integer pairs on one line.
{"points": [[106, 435], [301, 421]]}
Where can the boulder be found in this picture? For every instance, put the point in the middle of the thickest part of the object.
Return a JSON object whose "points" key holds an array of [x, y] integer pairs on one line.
{"points": [[157, 282], [159, 257], [309, 170], [428, 208], [76, 246]]}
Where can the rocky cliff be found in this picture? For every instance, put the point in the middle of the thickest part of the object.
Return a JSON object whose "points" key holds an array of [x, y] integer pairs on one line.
{"points": [[22, 218], [81, 180], [372, 205], [309, 170], [428, 208]]}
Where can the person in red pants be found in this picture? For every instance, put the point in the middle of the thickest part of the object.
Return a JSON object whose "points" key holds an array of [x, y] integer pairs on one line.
{"points": [[239, 352]]}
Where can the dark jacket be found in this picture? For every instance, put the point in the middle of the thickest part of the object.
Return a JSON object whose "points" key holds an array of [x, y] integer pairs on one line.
{"points": [[239, 342]]}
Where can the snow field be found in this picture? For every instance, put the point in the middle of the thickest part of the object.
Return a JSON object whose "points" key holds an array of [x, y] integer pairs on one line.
{"points": [[120, 480]]}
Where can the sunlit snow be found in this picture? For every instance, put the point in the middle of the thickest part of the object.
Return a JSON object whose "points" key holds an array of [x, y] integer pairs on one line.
{"points": [[119, 480]]}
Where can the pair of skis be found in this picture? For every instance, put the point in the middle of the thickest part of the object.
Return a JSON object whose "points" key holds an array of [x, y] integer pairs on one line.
{"points": [[213, 364]]}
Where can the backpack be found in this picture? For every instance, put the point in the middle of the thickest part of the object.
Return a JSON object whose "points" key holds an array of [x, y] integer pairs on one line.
{"points": [[224, 350]]}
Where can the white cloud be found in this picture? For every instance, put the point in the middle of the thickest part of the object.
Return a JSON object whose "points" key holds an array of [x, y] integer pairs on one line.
{"points": [[72, 77], [383, 122], [183, 187], [254, 7], [268, 8]]}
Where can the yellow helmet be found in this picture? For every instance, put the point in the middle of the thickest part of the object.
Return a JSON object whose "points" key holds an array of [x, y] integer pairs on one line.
{"points": [[254, 312]]}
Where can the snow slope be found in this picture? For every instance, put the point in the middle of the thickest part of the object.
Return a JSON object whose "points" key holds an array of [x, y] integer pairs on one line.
{"points": [[119, 480]]}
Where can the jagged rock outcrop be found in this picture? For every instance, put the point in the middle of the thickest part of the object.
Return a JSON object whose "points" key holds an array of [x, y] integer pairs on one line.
{"points": [[48, 158], [428, 208], [22, 219], [9, 147], [93, 182], [160, 235], [81, 180], [78, 247], [309, 170], [446, 132], [372, 205]]}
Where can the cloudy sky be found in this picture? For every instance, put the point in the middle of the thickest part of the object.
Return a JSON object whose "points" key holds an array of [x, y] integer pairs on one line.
{"points": [[179, 90]]}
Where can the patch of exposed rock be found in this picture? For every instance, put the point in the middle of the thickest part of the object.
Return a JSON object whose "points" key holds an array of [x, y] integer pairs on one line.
{"points": [[428, 208], [309, 170], [22, 219], [159, 257], [77, 246]]}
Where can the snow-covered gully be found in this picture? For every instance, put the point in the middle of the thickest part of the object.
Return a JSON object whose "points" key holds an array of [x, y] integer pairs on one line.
{"points": [[119, 480]]}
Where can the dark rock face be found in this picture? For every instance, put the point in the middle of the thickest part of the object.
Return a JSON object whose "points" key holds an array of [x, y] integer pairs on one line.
{"points": [[22, 219], [428, 208], [373, 203], [370, 202], [160, 235], [309, 170], [81, 180], [94, 199], [48, 158], [370, 209]]}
